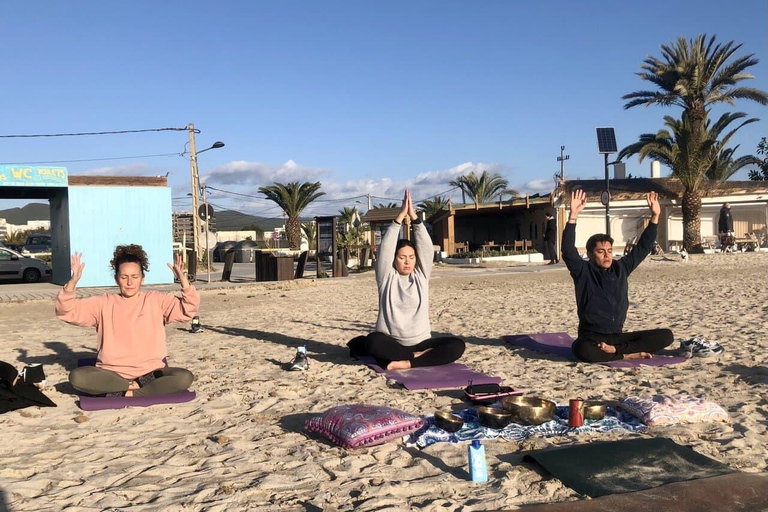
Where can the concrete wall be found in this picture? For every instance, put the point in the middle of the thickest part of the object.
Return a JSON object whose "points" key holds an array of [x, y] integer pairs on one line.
{"points": [[100, 218]]}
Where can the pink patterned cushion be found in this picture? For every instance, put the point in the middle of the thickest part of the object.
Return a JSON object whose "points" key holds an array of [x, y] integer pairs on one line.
{"points": [[668, 410], [354, 426]]}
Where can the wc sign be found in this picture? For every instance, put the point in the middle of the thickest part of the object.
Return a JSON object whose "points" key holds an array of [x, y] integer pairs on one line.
{"points": [[26, 176]]}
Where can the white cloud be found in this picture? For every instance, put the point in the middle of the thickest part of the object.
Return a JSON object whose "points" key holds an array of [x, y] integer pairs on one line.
{"points": [[245, 178], [259, 174], [537, 186], [124, 170]]}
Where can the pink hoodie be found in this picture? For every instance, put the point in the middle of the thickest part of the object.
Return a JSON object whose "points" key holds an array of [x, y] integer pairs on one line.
{"points": [[130, 332]]}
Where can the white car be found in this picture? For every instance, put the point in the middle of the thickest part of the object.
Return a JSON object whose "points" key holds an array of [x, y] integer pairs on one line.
{"points": [[17, 266]]}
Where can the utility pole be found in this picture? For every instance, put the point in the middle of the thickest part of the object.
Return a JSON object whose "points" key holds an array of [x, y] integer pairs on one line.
{"points": [[207, 231], [195, 191], [562, 158]]}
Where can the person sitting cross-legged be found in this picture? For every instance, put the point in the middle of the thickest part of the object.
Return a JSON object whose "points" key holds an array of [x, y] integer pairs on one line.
{"points": [[130, 328], [601, 291], [403, 337]]}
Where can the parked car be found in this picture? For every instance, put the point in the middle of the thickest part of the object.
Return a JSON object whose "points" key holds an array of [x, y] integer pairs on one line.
{"points": [[17, 266], [37, 243]]}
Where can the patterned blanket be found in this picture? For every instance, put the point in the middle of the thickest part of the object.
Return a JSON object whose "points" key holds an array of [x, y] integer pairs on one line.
{"points": [[472, 429]]}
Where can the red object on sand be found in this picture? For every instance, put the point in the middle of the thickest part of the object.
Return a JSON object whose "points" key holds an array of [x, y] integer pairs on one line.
{"points": [[574, 413]]}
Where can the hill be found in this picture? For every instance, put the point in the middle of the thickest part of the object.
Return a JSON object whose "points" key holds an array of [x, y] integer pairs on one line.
{"points": [[31, 211]]}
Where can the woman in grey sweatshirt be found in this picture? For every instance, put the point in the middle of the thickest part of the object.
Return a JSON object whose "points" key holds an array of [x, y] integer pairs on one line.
{"points": [[403, 338]]}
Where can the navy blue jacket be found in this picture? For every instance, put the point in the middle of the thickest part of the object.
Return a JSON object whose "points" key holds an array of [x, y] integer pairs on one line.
{"points": [[601, 295]]}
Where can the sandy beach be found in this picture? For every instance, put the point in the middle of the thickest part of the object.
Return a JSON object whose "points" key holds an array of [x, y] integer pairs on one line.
{"points": [[241, 444]]}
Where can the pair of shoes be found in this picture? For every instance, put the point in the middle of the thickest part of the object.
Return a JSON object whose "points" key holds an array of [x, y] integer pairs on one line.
{"points": [[300, 362], [699, 347], [551, 262]]}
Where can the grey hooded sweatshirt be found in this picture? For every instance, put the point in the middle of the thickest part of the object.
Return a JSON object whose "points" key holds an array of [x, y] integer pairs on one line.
{"points": [[404, 300]]}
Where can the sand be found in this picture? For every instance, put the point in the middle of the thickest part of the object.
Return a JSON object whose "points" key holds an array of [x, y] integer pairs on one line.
{"points": [[241, 445]]}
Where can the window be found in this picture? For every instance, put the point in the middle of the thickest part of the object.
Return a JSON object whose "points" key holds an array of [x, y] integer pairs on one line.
{"points": [[5, 255]]}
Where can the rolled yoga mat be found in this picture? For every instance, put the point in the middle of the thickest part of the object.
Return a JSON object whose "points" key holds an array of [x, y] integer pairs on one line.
{"points": [[559, 343], [99, 403], [599, 469]]}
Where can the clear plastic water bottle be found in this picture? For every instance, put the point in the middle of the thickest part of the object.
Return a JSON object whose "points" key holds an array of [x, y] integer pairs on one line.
{"points": [[478, 469]]}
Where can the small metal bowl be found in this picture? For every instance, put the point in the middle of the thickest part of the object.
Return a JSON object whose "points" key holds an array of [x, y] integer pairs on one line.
{"points": [[492, 417], [448, 421], [529, 410], [594, 410]]}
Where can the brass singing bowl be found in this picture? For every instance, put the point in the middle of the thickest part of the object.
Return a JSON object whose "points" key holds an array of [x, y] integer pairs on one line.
{"points": [[448, 421], [527, 410], [492, 417], [594, 410]]}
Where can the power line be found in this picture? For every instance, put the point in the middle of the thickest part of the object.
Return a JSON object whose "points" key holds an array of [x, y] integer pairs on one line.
{"points": [[96, 133], [91, 159]]}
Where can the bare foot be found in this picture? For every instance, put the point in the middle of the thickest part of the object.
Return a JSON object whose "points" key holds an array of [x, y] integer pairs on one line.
{"points": [[399, 365], [638, 355], [608, 349], [133, 386]]}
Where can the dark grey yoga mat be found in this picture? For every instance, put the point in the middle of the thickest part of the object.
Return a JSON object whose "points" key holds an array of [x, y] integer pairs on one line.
{"points": [[599, 469]]}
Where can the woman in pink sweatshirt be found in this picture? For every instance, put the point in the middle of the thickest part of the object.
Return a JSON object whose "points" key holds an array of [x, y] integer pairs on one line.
{"points": [[130, 328]]}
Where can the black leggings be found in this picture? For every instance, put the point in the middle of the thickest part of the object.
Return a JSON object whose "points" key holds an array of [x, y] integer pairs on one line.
{"points": [[585, 347], [98, 381], [385, 348]]}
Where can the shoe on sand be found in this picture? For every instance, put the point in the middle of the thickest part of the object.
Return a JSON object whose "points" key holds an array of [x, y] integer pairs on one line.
{"points": [[300, 361], [699, 347]]}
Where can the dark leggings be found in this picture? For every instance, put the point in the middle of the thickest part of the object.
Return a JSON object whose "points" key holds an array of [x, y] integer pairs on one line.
{"points": [[98, 381], [585, 347], [385, 348]]}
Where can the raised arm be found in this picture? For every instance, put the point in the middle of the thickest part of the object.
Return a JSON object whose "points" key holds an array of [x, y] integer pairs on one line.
{"points": [[645, 243], [385, 255], [180, 309], [571, 256], [70, 309]]}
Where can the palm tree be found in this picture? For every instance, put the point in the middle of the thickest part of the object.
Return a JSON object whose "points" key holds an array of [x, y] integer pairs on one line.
{"points": [[483, 189], [293, 198], [432, 206], [695, 75], [347, 217], [689, 152], [310, 230], [724, 166]]}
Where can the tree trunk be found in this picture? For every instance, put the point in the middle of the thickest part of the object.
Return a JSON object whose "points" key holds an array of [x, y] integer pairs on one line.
{"points": [[293, 230], [692, 221]]}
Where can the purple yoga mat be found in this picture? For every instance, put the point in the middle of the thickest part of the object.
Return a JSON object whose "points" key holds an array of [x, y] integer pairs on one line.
{"points": [[559, 343], [447, 376], [100, 403]]}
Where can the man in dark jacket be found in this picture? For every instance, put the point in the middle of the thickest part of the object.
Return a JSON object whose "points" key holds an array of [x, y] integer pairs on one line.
{"points": [[725, 222], [550, 235], [725, 228], [601, 291]]}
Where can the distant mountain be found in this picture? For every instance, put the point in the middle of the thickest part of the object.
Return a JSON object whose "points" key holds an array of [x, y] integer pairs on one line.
{"points": [[229, 220], [32, 211]]}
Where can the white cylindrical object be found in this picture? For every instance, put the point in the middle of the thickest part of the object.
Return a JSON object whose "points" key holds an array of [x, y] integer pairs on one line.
{"points": [[619, 171], [655, 169]]}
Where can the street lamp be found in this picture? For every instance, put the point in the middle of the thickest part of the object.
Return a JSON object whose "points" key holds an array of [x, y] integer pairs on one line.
{"points": [[606, 144]]}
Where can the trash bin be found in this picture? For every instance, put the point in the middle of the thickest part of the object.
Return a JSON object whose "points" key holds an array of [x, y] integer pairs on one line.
{"points": [[245, 251], [221, 249]]}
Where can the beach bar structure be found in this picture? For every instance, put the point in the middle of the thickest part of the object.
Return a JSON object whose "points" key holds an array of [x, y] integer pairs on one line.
{"points": [[469, 227], [93, 214], [629, 210]]}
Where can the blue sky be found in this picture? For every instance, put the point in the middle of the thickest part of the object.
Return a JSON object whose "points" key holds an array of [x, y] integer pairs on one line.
{"points": [[366, 97]]}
